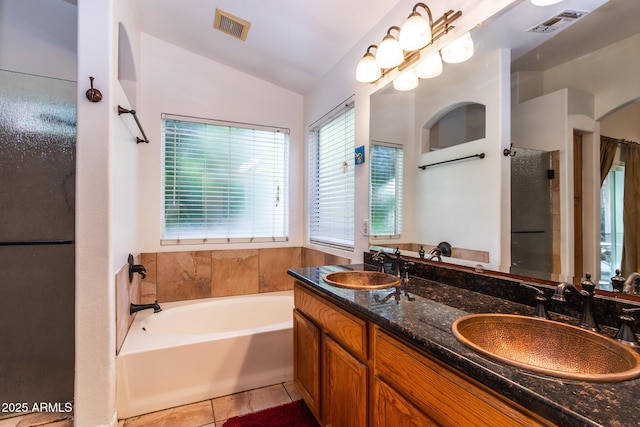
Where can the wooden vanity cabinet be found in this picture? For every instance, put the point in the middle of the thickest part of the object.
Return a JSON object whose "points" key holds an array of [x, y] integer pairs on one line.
{"points": [[352, 373], [447, 397], [330, 361]]}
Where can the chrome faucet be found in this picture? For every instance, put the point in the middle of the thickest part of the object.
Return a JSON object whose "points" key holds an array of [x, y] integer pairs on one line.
{"points": [[587, 320], [630, 284], [133, 308]]}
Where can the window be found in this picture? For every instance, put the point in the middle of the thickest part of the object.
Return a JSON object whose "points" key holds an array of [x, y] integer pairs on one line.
{"points": [[223, 181], [385, 190], [611, 227], [331, 158]]}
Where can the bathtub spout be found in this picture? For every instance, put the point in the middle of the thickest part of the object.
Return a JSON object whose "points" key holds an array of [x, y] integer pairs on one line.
{"points": [[133, 308]]}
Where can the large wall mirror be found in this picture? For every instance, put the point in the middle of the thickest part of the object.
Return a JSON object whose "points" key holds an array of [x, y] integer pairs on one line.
{"points": [[551, 96]]}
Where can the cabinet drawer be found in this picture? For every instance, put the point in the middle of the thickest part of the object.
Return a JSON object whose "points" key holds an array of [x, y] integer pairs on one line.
{"points": [[345, 328], [447, 396]]}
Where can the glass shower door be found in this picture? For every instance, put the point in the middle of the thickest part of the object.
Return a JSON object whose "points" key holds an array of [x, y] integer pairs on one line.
{"points": [[531, 213], [37, 260]]}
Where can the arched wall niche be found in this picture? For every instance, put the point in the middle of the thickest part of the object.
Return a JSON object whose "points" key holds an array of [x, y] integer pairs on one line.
{"points": [[126, 66], [457, 124]]}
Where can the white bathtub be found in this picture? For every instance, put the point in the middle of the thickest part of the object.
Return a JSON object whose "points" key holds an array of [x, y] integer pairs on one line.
{"points": [[201, 349]]}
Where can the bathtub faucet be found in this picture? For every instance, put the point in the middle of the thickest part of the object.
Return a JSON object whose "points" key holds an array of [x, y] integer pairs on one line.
{"points": [[133, 308]]}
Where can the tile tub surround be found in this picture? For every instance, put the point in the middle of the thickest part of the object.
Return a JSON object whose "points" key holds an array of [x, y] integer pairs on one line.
{"points": [[184, 275], [426, 323], [178, 276]]}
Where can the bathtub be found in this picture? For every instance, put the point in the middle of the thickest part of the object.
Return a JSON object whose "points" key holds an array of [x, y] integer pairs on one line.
{"points": [[201, 349]]}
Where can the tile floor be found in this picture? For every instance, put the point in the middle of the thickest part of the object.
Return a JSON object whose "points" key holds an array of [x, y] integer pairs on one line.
{"points": [[208, 413]]}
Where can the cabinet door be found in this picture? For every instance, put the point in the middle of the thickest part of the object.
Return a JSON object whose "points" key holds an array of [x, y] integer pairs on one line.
{"points": [[392, 410], [306, 361], [344, 387]]}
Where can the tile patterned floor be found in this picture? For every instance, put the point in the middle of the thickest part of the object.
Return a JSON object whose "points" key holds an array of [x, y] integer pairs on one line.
{"points": [[208, 413], [214, 412]]}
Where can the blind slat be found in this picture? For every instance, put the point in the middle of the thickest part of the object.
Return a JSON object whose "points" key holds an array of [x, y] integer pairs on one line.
{"points": [[385, 190], [224, 181], [331, 203]]}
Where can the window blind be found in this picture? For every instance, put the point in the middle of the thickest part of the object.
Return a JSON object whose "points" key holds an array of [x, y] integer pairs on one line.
{"points": [[331, 207], [385, 190], [223, 182]]}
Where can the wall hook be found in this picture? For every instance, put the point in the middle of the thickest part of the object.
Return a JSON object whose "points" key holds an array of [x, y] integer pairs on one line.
{"points": [[509, 151], [93, 95]]}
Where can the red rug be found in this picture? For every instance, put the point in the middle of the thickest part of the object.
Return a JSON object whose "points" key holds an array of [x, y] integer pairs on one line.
{"points": [[294, 414]]}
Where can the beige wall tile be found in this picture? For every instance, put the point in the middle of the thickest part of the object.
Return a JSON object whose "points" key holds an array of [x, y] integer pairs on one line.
{"points": [[312, 258], [126, 293], [235, 272], [335, 260], [274, 264], [148, 286], [183, 275]]}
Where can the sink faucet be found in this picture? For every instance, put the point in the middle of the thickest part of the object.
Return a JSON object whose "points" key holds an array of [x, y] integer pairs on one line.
{"points": [[629, 284], [133, 308], [588, 291], [380, 256], [443, 249], [541, 309], [625, 334]]}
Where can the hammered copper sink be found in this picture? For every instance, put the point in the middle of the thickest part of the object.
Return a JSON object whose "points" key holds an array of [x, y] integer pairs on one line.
{"points": [[548, 347], [356, 279]]}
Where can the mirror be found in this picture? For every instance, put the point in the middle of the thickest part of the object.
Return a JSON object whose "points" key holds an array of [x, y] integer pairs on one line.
{"points": [[601, 101]]}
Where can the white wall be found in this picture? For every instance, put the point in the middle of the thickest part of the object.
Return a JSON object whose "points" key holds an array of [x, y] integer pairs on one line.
{"points": [[572, 98], [47, 39], [462, 202], [106, 209], [610, 74], [339, 83], [176, 81], [38, 39]]}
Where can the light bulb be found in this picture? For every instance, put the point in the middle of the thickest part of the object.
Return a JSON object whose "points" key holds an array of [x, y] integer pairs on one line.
{"points": [[406, 81], [415, 33], [458, 50], [389, 53], [429, 67], [368, 69]]}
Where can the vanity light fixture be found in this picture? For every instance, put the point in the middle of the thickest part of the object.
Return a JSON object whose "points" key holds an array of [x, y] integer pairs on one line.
{"points": [[404, 53], [459, 50], [416, 31], [389, 53], [430, 67], [368, 69], [406, 81]]}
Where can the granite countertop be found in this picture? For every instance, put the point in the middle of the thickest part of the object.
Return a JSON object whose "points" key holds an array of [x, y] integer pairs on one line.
{"points": [[426, 323]]}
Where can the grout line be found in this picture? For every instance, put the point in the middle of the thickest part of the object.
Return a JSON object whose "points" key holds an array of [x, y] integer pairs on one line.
{"points": [[287, 391], [213, 412]]}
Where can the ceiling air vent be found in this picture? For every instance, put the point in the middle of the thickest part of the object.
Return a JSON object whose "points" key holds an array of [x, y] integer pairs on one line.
{"points": [[232, 25], [561, 20]]}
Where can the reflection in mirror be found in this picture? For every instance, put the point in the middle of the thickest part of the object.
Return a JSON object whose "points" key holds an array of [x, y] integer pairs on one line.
{"points": [[535, 234], [570, 84]]}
